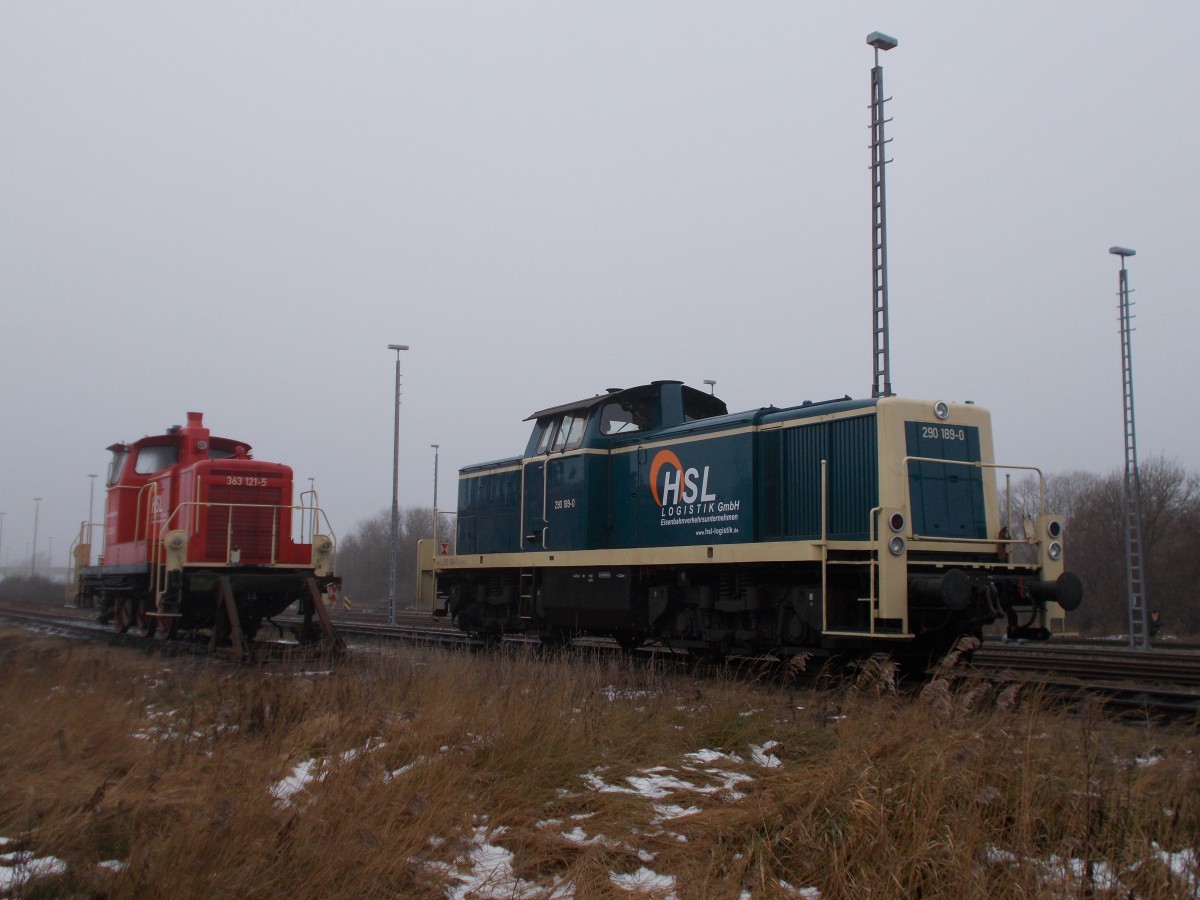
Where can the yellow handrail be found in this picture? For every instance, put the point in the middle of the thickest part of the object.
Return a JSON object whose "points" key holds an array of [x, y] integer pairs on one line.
{"points": [[183, 514]]}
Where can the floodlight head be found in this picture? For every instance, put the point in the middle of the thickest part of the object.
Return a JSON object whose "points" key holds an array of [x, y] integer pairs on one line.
{"points": [[1122, 251], [881, 41], [397, 346]]}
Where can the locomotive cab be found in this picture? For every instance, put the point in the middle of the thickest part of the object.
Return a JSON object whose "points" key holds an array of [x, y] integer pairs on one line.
{"points": [[556, 496], [590, 422]]}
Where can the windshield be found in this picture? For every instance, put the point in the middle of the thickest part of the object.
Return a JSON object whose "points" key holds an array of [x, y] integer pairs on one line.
{"points": [[570, 432], [116, 465], [155, 458]]}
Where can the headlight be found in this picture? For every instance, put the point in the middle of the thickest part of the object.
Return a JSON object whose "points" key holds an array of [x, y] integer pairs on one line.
{"points": [[1054, 551], [941, 410], [896, 545]]}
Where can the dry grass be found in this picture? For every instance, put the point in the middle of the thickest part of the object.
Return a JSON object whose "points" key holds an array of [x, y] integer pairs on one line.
{"points": [[420, 761]]}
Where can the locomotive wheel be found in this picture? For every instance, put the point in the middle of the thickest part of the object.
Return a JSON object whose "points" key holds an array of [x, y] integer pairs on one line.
{"points": [[122, 614], [627, 641], [146, 623], [552, 640], [705, 656], [491, 638]]}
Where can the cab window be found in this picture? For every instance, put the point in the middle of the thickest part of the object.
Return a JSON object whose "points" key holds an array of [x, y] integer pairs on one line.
{"points": [[570, 433], [547, 433], [619, 418], [155, 458], [577, 426], [116, 465]]}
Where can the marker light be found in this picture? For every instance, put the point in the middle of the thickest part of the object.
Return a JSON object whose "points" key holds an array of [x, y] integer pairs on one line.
{"points": [[1054, 529], [896, 521]]}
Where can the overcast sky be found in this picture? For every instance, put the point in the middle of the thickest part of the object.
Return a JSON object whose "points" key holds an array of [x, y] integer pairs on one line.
{"points": [[235, 207]]}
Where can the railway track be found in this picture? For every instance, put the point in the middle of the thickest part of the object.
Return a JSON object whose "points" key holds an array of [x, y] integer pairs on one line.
{"points": [[1163, 682], [82, 625]]}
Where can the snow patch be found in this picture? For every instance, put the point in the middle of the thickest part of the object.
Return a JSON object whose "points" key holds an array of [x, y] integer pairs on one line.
{"points": [[644, 880], [18, 868]]}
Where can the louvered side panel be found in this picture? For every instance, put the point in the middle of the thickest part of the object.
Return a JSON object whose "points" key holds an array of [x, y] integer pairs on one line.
{"points": [[853, 477], [791, 481]]}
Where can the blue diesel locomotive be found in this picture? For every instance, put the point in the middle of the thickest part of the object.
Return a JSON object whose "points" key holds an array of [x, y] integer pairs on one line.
{"points": [[652, 514]]}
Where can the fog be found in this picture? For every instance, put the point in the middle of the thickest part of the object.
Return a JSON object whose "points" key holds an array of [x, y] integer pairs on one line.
{"points": [[235, 207]]}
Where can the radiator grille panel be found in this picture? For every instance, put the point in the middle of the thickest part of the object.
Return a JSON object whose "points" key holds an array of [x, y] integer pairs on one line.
{"points": [[253, 525]]}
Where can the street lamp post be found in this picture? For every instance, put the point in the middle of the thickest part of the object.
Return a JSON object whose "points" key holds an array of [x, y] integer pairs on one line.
{"points": [[1135, 575], [435, 512], [882, 364], [435, 473], [91, 508], [395, 490], [37, 504]]}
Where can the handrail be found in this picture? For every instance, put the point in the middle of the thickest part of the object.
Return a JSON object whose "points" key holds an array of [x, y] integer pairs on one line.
{"points": [[83, 539], [876, 542], [872, 565], [312, 508], [982, 465], [824, 545], [317, 513], [150, 487], [180, 514]]}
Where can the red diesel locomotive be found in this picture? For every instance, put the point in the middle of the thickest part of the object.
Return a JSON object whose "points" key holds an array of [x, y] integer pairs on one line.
{"points": [[199, 536]]}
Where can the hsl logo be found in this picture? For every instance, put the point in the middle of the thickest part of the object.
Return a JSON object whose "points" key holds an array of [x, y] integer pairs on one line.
{"points": [[679, 485]]}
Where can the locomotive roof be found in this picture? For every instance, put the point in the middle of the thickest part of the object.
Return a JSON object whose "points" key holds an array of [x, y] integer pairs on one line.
{"points": [[692, 397], [175, 434]]}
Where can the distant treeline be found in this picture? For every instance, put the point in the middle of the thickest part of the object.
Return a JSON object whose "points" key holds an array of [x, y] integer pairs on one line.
{"points": [[364, 557], [1093, 507], [33, 589]]}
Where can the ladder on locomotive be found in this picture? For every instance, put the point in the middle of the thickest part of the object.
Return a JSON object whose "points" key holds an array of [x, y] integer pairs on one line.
{"points": [[525, 590]]}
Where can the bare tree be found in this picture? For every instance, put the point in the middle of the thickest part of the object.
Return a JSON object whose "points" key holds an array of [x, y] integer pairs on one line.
{"points": [[364, 556], [1063, 494], [1093, 509]]}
